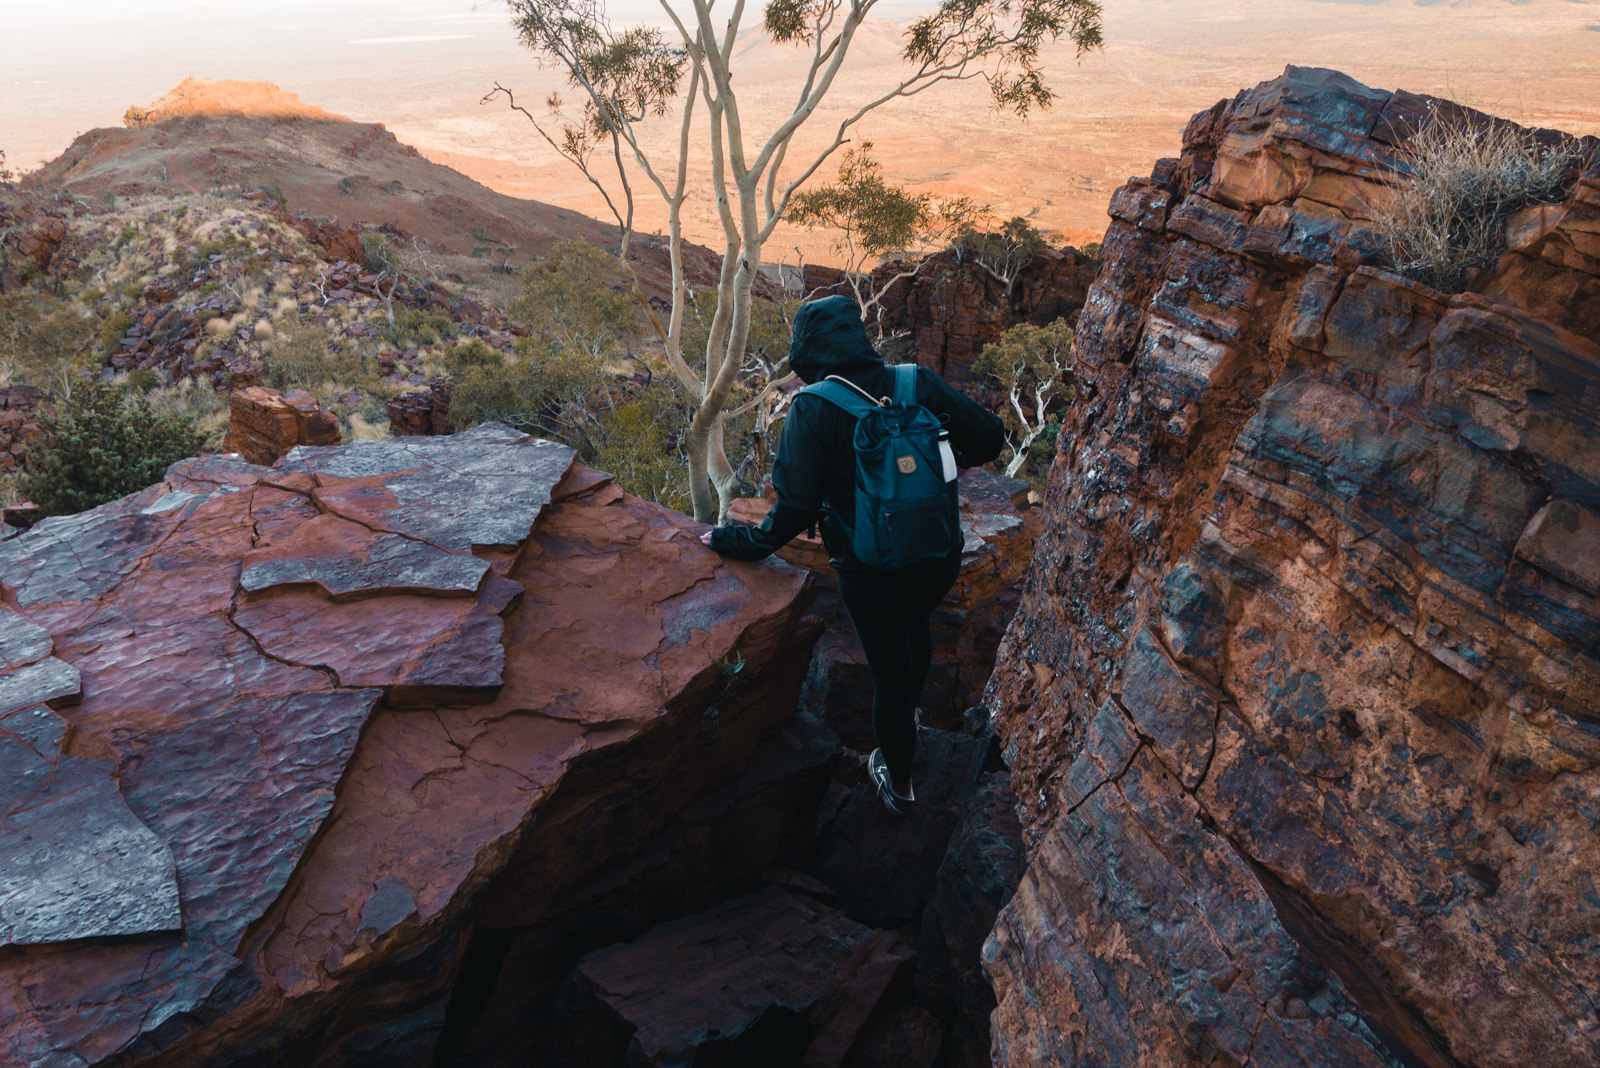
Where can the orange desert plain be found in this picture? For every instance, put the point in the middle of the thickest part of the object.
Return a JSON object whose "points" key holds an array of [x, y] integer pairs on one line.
{"points": [[421, 68]]}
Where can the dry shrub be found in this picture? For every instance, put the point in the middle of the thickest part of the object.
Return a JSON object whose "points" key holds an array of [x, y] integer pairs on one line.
{"points": [[1447, 216]]}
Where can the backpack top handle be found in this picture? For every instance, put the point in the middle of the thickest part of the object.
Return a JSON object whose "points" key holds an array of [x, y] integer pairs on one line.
{"points": [[905, 386], [877, 402]]}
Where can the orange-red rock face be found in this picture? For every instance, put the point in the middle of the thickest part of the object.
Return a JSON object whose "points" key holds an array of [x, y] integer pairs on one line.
{"points": [[272, 732], [1302, 702], [264, 424]]}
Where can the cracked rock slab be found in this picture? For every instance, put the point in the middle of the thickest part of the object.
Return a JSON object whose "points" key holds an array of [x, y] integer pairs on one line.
{"points": [[75, 862], [466, 490], [321, 827], [346, 559], [38, 683]]}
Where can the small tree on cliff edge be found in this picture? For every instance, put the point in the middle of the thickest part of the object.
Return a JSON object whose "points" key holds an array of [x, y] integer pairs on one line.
{"points": [[876, 220], [625, 77]]}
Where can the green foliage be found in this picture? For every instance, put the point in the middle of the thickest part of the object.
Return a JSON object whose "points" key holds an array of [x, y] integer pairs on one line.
{"points": [[379, 253], [144, 379], [5, 173], [102, 444], [539, 390], [873, 217], [1004, 251], [305, 357], [113, 329], [458, 360], [638, 446], [1447, 217], [1002, 41], [417, 327], [1032, 365], [570, 305], [624, 76], [875, 220], [44, 340]]}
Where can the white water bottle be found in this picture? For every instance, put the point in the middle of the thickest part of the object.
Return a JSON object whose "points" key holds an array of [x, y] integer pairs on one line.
{"points": [[948, 455]]}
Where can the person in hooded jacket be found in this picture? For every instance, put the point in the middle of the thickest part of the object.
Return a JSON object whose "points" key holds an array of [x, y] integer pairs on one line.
{"points": [[814, 476]]}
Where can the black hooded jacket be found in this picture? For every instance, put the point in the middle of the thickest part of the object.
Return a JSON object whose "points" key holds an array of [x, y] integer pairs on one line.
{"points": [[815, 472]]}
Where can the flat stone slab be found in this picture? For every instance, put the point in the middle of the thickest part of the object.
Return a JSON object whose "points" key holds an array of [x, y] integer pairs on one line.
{"points": [[711, 977], [21, 642], [37, 683], [454, 492], [345, 559], [75, 862]]}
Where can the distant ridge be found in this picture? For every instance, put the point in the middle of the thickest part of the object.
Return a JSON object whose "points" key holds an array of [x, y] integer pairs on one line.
{"points": [[203, 96], [213, 135]]}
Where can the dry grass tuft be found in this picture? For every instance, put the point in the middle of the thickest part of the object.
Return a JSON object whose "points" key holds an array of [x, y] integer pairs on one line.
{"points": [[1447, 217]]}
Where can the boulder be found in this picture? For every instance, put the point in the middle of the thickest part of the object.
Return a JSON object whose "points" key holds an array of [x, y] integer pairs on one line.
{"points": [[264, 424], [729, 986], [1300, 702], [422, 412], [291, 723]]}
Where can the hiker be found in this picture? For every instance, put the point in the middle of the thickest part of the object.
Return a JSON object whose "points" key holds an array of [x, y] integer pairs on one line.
{"points": [[815, 474]]}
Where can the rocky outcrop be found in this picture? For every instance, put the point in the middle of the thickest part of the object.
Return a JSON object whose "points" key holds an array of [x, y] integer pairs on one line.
{"points": [[263, 424], [951, 308], [270, 734], [203, 96], [421, 412], [19, 423], [1302, 701]]}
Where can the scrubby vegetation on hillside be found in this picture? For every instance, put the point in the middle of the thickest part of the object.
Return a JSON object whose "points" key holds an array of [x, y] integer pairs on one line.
{"points": [[167, 303], [578, 374]]}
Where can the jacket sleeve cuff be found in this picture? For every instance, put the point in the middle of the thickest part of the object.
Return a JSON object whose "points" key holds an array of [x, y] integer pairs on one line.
{"points": [[738, 543]]}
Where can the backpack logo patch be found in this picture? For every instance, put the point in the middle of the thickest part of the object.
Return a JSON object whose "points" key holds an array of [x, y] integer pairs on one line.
{"points": [[906, 464]]}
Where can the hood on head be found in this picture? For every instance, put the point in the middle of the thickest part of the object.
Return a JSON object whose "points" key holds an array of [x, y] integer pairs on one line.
{"points": [[829, 337]]}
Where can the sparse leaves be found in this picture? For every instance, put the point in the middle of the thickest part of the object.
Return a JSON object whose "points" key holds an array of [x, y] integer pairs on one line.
{"points": [[1004, 250], [1032, 364], [876, 220], [1000, 42]]}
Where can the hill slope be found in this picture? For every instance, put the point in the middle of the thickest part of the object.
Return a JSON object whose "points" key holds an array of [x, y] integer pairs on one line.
{"points": [[211, 135]]}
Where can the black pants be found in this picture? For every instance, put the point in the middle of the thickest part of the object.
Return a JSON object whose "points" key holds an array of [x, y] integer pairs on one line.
{"points": [[891, 611]]}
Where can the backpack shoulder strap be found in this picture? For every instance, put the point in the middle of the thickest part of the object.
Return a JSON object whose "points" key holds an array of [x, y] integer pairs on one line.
{"points": [[843, 394], [905, 384]]}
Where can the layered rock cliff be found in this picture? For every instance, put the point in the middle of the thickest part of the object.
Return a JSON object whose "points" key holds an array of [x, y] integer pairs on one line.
{"points": [[1302, 700]]}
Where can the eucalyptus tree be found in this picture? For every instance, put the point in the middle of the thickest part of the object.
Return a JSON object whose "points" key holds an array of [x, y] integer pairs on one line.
{"points": [[625, 77]]}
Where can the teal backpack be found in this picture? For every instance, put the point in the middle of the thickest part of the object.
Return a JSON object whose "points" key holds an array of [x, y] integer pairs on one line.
{"points": [[906, 500]]}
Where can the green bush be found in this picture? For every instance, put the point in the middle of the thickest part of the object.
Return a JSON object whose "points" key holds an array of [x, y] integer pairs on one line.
{"points": [[102, 444], [468, 356], [636, 448], [555, 394], [413, 327], [303, 357], [1447, 216]]}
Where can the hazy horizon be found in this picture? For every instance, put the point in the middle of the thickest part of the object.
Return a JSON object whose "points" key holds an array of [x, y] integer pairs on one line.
{"points": [[421, 67]]}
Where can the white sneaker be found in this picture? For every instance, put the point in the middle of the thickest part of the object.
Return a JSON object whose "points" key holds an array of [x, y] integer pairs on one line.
{"points": [[896, 803]]}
